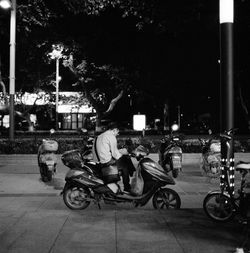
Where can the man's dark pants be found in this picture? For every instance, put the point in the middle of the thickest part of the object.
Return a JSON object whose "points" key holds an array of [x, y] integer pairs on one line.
{"points": [[125, 165]]}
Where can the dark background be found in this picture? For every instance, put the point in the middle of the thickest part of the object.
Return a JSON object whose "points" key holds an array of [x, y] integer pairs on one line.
{"points": [[176, 57]]}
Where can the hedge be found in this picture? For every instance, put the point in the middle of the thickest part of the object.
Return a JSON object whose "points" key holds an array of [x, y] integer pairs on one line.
{"points": [[30, 145]]}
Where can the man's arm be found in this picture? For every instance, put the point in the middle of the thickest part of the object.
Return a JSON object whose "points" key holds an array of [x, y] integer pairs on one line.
{"points": [[113, 148]]}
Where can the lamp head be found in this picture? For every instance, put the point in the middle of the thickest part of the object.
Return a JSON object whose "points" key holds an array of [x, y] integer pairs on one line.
{"points": [[226, 11], [175, 127], [5, 4]]}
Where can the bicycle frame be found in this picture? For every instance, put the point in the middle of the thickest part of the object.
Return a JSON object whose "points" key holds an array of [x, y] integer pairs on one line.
{"points": [[227, 173], [227, 165], [222, 205]]}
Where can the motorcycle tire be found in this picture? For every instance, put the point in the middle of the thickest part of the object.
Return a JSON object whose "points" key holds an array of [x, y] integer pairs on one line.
{"points": [[75, 198], [166, 198], [175, 173], [219, 207]]}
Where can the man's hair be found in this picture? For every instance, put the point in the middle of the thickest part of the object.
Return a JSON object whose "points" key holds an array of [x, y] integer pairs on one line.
{"points": [[112, 125]]}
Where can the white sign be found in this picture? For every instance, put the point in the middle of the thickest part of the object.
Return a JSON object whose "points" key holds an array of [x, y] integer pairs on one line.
{"points": [[139, 122]]}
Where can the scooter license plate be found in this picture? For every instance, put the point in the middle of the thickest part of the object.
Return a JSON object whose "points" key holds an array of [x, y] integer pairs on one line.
{"points": [[176, 162]]}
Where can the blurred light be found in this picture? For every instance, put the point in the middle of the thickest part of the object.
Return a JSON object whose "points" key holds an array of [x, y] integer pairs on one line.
{"points": [[175, 127], [56, 53], [5, 4], [33, 118], [6, 121]]}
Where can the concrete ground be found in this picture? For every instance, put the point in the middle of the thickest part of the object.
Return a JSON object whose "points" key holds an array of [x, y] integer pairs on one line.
{"points": [[33, 217]]}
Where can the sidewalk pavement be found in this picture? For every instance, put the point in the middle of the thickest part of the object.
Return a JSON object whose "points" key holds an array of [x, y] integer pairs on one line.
{"points": [[33, 217]]}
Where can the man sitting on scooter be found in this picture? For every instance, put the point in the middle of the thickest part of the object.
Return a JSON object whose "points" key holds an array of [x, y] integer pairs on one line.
{"points": [[105, 146]]}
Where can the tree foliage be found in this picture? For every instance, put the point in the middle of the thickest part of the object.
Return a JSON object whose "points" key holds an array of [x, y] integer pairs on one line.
{"points": [[168, 35], [103, 86]]}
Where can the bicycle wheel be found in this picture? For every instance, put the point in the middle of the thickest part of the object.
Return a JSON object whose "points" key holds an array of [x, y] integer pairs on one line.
{"points": [[219, 207]]}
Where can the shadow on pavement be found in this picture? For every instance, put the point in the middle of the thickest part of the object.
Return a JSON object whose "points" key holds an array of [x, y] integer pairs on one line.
{"points": [[56, 182]]}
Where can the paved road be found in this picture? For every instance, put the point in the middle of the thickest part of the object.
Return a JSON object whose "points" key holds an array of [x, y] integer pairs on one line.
{"points": [[33, 217]]}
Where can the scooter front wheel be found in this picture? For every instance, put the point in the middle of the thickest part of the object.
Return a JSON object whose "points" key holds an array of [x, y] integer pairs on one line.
{"points": [[166, 198], [219, 207], [75, 198]]}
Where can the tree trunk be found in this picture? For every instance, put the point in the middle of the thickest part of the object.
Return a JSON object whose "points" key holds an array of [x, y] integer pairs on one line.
{"points": [[245, 109], [166, 116], [98, 126]]}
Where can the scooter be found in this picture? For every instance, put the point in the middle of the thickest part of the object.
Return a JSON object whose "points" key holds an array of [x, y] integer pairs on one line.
{"points": [[210, 157], [170, 152], [47, 159], [85, 183]]}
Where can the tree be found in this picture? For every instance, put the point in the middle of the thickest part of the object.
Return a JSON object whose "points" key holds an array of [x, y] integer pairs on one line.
{"points": [[103, 86], [171, 46], [31, 15]]}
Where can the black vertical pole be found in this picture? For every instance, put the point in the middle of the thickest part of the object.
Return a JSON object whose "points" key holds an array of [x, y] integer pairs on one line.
{"points": [[227, 97], [12, 70], [226, 74]]}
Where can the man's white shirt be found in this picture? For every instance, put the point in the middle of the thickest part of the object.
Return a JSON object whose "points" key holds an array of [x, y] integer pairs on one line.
{"points": [[106, 145]]}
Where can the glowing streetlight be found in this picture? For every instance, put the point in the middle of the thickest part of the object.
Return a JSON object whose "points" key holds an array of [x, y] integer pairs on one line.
{"points": [[226, 11], [226, 79], [56, 54], [6, 4]]}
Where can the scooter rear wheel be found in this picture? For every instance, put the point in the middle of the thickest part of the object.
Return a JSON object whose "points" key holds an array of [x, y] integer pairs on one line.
{"points": [[75, 198], [166, 198]]}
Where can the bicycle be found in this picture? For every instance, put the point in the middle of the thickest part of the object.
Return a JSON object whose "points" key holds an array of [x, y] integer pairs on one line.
{"points": [[222, 205]]}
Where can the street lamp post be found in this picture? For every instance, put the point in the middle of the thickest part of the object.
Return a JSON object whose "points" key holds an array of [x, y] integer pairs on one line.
{"points": [[56, 54], [57, 90], [226, 81], [12, 5]]}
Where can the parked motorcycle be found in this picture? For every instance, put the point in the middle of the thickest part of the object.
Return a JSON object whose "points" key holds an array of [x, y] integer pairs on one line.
{"points": [[87, 139], [47, 159], [87, 142], [210, 157], [170, 152], [85, 183]]}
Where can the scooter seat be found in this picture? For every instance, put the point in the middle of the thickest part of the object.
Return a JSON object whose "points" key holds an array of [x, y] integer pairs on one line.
{"points": [[242, 166]]}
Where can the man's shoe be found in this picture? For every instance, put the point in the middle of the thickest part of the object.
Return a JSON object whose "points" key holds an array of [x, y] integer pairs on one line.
{"points": [[126, 192]]}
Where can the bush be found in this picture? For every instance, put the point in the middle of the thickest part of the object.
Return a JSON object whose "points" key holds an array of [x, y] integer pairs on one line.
{"points": [[30, 145]]}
